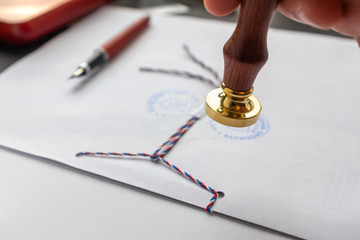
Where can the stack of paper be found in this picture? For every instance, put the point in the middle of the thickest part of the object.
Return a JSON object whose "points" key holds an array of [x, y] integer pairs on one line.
{"points": [[297, 170]]}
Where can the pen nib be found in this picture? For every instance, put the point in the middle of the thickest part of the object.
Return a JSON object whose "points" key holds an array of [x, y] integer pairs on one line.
{"points": [[78, 73]]}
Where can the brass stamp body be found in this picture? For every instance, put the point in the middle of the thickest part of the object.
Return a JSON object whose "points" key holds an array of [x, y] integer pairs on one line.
{"points": [[232, 108], [245, 53]]}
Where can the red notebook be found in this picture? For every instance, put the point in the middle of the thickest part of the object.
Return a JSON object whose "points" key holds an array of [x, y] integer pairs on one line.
{"points": [[24, 21]]}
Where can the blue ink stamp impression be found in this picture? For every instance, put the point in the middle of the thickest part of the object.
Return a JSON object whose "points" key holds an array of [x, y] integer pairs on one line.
{"points": [[172, 103], [253, 132]]}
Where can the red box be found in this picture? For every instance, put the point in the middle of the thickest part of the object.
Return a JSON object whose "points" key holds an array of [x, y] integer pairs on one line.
{"points": [[23, 22]]}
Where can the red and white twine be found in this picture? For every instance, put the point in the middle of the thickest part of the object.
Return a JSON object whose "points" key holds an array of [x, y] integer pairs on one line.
{"points": [[168, 145]]}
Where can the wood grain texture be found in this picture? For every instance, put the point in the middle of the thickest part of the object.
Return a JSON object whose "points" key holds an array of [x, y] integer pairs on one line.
{"points": [[245, 53]]}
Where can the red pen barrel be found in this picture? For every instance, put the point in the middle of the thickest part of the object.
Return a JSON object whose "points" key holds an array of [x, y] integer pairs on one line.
{"points": [[118, 42]]}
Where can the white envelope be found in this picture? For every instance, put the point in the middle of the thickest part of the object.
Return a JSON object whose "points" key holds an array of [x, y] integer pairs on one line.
{"points": [[297, 170]]}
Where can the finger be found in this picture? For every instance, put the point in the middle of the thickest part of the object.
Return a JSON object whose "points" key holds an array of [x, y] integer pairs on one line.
{"points": [[222, 7], [317, 13], [358, 40], [350, 23]]}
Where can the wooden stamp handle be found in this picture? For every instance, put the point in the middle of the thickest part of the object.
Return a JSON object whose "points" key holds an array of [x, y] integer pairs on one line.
{"points": [[245, 53]]}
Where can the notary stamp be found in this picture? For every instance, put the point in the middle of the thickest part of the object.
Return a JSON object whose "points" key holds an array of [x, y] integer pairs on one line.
{"points": [[172, 103], [253, 132]]}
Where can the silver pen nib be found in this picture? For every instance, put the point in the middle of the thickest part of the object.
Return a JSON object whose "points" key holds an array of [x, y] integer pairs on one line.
{"points": [[78, 73]]}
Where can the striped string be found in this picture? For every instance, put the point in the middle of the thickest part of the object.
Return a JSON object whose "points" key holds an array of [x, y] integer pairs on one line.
{"points": [[195, 180], [169, 144], [179, 73], [202, 64], [186, 74], [159, 155], [166, 147]]}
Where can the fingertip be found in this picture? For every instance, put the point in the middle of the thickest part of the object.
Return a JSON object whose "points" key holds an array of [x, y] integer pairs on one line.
{"points": [[324, 13], [221, 7], [358, 40], [319, 13], [350, 22]]}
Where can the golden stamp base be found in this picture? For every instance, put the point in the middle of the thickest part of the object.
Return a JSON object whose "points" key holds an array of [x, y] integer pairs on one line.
{"points": [[232, 108]]}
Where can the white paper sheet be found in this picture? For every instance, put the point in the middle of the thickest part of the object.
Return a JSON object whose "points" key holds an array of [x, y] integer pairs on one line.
{"points": [[297, 170]]}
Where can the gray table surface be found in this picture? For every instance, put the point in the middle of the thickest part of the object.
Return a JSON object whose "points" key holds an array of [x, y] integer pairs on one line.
{"points": [[9, 55]]}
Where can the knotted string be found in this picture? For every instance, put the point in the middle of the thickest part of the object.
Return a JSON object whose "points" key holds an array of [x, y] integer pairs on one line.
{"points": [[169, 144], [159, 155]]}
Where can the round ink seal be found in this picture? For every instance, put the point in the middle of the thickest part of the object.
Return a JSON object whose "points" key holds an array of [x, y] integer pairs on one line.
{"points": [[253, 132], [172, 103]]}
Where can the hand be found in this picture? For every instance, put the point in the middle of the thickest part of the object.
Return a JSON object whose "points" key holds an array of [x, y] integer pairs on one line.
{"points": [[342, 16]]}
